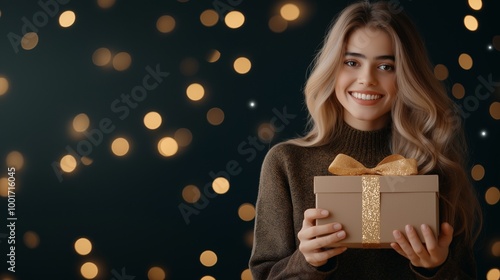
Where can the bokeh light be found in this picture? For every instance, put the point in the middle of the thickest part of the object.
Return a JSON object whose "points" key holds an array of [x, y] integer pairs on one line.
{"points": [[207, 277], [122, 61], [465, 61], [266, 132], [234, 19], [183, 136], [242, 65], [165, 24], [495, 249], [290, 12], [89, 270], [209, 18], [4, 85], [213, 56], [68, 163], [81, 122], [246, 212], [191, 193], [67, 18], [471, 23], [29, 41], [493, 274], [83, 246], [277, 24], [152, 120], [120, 146], [208, 258], [215, 116], [492, 195], [101, 57], [441, 72], [15, 159], [248, 238], [495, 110], [195, 91], [105, 4], [246, 274], [86, 160], [477, 172], [4, 187], [458, 91], [189, 66], [220, 185], [496, 42], [167, 146], [476, 4], [156, 273], [31, 239]]}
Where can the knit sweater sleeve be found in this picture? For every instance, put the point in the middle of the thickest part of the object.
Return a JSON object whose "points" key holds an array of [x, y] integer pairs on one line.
{"points": [[275, 254]]}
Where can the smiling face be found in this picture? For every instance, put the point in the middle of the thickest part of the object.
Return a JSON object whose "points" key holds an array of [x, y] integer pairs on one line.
{"points": [[366, 81]]}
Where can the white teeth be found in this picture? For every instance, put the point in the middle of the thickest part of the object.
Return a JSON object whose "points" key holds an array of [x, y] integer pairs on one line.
{"points": [[364, 96]]}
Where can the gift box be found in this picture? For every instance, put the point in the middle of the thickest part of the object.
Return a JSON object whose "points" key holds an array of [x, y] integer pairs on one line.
{"points": [[372, 205]]}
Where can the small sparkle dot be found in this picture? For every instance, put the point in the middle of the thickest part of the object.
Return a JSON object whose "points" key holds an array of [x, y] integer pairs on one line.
{"points": [[484, 133], [252, 104], [490, 47]]}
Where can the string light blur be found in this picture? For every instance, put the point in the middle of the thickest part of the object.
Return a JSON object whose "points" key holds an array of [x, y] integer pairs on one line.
{"points": [[493, 274], [101, 57], [195, 91], [67, 19], [83, 246], [458, 91], [465, 61], [122, 61], [152, 120], [156, 273], [492, 196], [209, 18], [15, 159], [208, 258], [68, 163], [483, 133], [266, 132], [246, 212], [213, 56], [31, 239], [252, 104], [165, 24], [89, 270], [86, 160], [29, 41], [242, 65], [183, 136], [441, 72], [220, 185], [191, 193], [4, 187], [167, 146], [290, 12], [477, 172], [120, 146], [495, 249], [81, 122], [4, 85], [207, 277], [496, 42], [495, 110], [105, 4], [215, 116], [234, 19], [476, 4], [277, 24], [471, 23]]}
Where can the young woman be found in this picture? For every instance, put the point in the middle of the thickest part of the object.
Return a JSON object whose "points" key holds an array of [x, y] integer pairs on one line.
{"points": [[371, 93]]}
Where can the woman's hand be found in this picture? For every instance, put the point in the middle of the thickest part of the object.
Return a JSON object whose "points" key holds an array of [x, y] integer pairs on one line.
{"points": [[314, 239], [433, 254]]}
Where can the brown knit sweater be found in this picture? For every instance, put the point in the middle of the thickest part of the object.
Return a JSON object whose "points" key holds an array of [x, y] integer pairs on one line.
{"points": [[286, 191]]}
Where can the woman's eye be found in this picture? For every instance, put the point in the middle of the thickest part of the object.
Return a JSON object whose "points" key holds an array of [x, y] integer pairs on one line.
{"points": [[350, 63], [386, 67]]}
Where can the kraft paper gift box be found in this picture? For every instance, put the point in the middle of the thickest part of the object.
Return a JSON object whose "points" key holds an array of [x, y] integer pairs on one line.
{"points": [[370, 207]]}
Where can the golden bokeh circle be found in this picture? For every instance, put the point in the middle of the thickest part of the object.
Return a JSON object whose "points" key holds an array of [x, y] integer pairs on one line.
{"points": [[4, 85], [183, 136], [471, 23], [209, 18], [242, 65], [496, 42], [31, 239], [101, 57], [465, 61], [83, 246], [167, 146], [246, 212], [234, 19], [458, 91], [68, 163], [477, 172], [29, 41], [208, 258], [67, 19], [4, 187], [86, 160], [122, 61], [220, 185], [441, 72], [152, 120], [120, 146], [476, 4], [495, 249], [195, 91], [81, 122], [249, 238], [89, 270], [213, 56], [156, 273], [215, 116], [191, 193], [15, 159], [105, 4], [207, 277], [492, 195], [246, 275], [495, 110], [165, 24], [290, 12], [493, 274], [266, 132], [277, 24]]}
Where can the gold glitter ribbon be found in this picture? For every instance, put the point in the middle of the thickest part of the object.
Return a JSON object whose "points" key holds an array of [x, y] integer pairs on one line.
{"points": [[395, 165]]}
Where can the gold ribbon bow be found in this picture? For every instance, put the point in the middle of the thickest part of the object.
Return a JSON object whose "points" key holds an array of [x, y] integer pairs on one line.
{"points": [[395, 165]]}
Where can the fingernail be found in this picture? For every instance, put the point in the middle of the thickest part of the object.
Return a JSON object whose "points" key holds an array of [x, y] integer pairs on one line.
{"points": [[341, 234], [424, 227], [397, 234], [324, 212], [409, 228], [337, 226]]}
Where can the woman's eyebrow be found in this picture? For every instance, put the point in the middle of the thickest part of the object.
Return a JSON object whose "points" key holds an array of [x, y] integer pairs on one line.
{"points": [[381, 57]]}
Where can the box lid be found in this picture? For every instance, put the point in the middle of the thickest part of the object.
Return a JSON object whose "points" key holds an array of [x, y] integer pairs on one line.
{"points": [[350, 184]]}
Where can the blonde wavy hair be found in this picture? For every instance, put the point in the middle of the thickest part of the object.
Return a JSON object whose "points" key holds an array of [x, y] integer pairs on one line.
{"points": [[425, 124]]}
